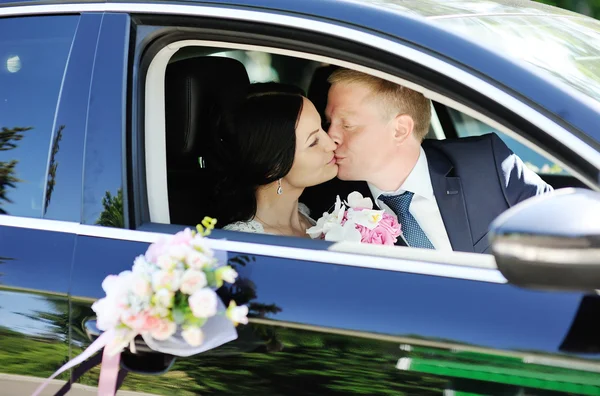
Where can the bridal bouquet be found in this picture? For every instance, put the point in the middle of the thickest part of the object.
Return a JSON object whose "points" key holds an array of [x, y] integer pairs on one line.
{"points": [[355, 220], [168, 298]]}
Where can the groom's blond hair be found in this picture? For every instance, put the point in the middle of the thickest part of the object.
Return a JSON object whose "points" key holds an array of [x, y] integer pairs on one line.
{"points": [[395, 98]]}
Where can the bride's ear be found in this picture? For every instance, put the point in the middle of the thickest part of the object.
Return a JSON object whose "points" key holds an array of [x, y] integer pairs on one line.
{"points": [[403, 127]]}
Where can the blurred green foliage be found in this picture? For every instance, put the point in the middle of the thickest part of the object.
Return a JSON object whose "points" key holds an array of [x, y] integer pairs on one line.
{"points": [[586, 7]]}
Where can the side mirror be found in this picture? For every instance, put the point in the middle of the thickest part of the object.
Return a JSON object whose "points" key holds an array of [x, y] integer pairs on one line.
{"points": [[550, 241]]}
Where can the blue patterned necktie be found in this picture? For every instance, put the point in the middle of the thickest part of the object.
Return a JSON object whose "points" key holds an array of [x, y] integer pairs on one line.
{"points": [[412, 231]]}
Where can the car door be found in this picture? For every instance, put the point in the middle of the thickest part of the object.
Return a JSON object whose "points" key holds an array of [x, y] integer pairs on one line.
{"points": [[325, 318], [44, 89]]}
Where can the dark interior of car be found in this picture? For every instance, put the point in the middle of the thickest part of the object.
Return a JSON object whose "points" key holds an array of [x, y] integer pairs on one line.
{"points": [[199, 87]]}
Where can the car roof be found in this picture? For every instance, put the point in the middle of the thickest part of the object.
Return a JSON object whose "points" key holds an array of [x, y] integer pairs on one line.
{"points": [[422, 23], [465, 8], [423, 8]]}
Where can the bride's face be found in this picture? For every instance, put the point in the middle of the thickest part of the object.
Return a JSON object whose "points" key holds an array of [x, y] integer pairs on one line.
{"points": [[314, 160]]}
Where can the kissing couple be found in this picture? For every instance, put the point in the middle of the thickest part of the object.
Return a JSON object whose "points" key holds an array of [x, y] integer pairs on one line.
{"points": [[283, 166]]}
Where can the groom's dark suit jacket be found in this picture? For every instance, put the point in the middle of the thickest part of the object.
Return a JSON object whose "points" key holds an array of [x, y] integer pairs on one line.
{"points": [[474, 180]]}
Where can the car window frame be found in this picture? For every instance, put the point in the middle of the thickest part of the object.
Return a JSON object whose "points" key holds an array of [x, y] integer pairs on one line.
{"points": [[152, 116], [480, 267]]}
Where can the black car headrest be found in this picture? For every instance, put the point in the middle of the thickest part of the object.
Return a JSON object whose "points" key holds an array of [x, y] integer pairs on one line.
{"points": [[197, 90]]}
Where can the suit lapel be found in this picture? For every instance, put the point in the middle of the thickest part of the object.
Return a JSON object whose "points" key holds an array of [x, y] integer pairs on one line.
{"points": [[450, 200]]}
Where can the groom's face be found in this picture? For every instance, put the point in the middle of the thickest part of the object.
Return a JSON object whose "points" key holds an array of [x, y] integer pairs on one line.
{"points": [[361, 129]]}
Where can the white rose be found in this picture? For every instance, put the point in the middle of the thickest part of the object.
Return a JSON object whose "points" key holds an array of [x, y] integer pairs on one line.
{"points": [[164, 330], [196, 260], [192, 281], [203, 303], [166, 280], [193, 336]]}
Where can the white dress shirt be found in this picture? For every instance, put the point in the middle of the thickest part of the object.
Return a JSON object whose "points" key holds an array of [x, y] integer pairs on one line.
{"points": [[423, 206]]}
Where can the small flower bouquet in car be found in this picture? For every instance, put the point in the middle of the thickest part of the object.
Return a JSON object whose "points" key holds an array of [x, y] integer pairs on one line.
{"points": [[355, 220], [168, 298]]}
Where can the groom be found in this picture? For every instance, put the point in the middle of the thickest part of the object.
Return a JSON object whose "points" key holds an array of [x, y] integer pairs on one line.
{"points": [[445, 193]]}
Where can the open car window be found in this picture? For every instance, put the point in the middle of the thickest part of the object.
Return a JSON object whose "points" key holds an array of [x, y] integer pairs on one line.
{"points": [[177, 178]]}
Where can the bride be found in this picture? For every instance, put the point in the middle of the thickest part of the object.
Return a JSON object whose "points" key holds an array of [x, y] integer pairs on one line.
{"points": [[270, 149]]}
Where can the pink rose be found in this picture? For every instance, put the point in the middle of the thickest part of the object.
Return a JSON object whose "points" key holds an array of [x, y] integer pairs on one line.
{"points": [[163, 330], [140, 322], [386, 233], [389, 223]]}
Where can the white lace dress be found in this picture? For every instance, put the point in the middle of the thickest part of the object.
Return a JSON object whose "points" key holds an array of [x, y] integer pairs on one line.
{"points": [[257, 227]]}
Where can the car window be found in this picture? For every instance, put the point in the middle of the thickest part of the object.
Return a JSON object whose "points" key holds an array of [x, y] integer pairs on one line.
{"points": [[565, 49], [33, 57], [466, 125]]}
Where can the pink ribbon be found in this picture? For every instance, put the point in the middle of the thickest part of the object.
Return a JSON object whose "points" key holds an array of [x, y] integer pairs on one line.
{"points": [[108, 371]]}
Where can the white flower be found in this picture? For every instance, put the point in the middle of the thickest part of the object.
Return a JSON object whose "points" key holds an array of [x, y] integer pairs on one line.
{"points": [[193, 336], [192, 280], [169, 280], [201, 245], [107, 312], [237, 314], [347, 232], [328, 220], [356, 200], [116, 283], [166, 262], [109, 309], [366, 218], [141, 286], [197, 260], [179, 252], [164, 298], [141, 266], [227, 274], [203, 303], [164, 330]]}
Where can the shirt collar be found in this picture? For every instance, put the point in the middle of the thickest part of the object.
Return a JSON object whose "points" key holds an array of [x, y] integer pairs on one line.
{"points": [[417, 182]]}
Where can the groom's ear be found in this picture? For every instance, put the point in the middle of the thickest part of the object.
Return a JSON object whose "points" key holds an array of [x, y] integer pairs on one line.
{"points": [[403, 127]]}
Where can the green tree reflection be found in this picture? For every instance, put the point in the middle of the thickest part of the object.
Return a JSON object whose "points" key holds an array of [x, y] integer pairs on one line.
{"points": [[8, 174], [112, 214], [53, 167]]}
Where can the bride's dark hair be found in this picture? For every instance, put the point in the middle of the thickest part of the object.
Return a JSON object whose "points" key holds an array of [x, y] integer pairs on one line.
{"points": [[255, 146]]}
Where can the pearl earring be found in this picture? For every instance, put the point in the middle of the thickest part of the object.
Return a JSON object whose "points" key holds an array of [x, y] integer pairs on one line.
{"points": [[279, 189]]}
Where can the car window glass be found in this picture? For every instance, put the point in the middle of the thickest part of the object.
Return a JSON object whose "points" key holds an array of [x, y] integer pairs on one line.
{"points": [[565, 49], [33, 57], [468, 126]]}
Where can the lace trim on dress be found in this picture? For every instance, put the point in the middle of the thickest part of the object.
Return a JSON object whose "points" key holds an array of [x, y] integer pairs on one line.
{"points": [[257, 227]]}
